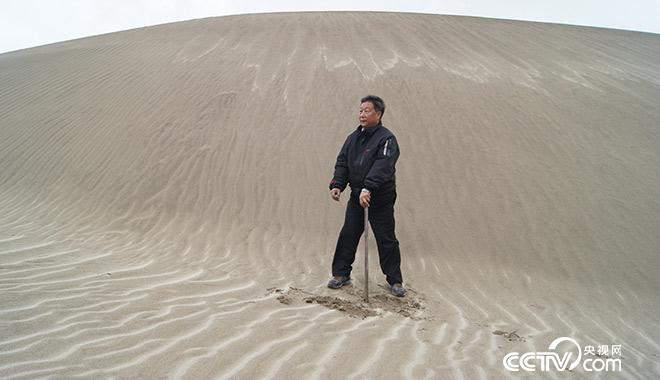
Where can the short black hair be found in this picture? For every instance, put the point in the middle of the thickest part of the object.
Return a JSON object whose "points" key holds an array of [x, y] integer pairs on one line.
{"points": [[379, 104]]}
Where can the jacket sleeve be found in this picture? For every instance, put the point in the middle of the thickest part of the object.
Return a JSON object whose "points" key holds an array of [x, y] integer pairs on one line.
{"points": [[383, 168], [340, 178]]}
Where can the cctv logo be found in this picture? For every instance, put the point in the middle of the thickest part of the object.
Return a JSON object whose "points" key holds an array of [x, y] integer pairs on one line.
{"points": [[548, 360], [513, 361]]}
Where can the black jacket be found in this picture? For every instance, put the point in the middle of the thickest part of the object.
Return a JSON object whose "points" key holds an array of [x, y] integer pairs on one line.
{"points": [[367, 160]]}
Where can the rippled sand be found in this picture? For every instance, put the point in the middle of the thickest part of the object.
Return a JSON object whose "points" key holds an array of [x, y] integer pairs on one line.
{"points": [[164, 208]]}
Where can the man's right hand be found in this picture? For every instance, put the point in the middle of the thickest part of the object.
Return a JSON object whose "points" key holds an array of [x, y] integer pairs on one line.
{"points": [[334, 193]]}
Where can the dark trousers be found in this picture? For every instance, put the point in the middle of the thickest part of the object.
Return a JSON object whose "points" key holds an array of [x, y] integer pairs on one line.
{"points": [[381, 219]]}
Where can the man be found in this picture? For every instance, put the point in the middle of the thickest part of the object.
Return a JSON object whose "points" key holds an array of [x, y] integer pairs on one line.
{"points": [[367, 162]]}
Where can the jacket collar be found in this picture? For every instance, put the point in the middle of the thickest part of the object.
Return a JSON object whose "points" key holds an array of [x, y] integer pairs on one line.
{"points": [[369, 131]]}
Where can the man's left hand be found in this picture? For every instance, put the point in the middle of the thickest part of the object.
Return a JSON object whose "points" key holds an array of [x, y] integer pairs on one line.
{"points": [[365, 199]]}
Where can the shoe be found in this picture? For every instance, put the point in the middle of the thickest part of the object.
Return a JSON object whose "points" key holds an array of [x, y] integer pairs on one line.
{"points": [[338, 281], [398, 290]]}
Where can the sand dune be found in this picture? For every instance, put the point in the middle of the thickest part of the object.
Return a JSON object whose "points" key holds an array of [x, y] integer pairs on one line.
{"points": [[164, 208]]}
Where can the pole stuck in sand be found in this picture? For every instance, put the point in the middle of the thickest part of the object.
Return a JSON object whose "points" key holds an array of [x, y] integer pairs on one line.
{"points": [[366, 254]]}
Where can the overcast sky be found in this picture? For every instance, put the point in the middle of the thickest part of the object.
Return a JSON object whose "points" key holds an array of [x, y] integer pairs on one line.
{"points": [[27, 23]]}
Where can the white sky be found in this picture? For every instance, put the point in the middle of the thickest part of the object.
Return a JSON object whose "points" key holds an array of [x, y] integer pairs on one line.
{"points": [[27, 23]]}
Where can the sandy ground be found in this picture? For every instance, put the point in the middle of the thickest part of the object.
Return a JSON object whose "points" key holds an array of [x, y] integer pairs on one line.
{"points": [[164, 208]]}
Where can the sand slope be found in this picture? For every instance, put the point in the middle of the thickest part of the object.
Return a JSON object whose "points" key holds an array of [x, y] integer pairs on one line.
{"points": [[164, 212]]}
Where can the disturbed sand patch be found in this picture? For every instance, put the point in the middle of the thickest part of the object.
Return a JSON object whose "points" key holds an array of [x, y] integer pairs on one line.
{"points": [[350, 301], [511, 336]]}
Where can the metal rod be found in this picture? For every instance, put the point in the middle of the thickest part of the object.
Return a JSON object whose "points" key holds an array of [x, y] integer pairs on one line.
{"points": [[366, 254]]}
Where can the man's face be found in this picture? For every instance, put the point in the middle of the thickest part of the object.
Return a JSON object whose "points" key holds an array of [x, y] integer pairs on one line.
{"points": [[368, 115]]}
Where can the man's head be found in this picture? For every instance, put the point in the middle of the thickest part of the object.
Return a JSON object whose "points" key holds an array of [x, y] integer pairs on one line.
{"points": [[372, 109]]}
